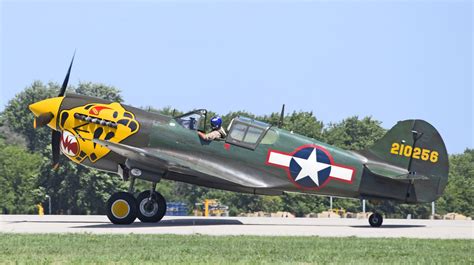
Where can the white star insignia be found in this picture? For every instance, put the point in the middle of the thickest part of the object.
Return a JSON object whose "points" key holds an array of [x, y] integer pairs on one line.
{"points": [[310, 167]]}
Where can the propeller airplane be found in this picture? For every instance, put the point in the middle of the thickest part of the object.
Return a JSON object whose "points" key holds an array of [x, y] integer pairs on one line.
{"points": [[409, 164]]}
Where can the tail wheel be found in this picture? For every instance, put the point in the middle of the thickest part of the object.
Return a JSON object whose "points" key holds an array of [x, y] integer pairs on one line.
{"points": [[122, 208], [375, 220], [151, 209]]}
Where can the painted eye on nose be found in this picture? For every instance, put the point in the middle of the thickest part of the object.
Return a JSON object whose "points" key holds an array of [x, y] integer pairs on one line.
{"points": [[64, 116], [133, 126], [124, 122]]}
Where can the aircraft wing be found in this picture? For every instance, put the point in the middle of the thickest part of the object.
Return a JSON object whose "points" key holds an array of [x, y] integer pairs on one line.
{"points": [[135, 153], [181, 163]]}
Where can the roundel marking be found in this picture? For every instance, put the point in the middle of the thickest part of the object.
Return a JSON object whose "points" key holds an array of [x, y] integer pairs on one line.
{"points": [[310, 166]]}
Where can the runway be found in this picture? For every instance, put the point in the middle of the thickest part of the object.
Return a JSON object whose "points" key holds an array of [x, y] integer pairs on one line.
{"points": [[261, 226]]}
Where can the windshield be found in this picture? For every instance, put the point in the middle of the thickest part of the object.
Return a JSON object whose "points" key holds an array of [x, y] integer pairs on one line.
{"points": [[194, 120]]}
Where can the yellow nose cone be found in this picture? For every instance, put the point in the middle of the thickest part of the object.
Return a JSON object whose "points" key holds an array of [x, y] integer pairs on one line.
{"points": [[48, 105]]}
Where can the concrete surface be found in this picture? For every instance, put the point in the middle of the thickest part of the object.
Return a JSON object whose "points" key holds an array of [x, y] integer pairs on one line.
{"points": [[239, 226]]}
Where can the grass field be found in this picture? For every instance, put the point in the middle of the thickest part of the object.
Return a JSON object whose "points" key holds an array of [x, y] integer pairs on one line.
{"points": [[172, 249]]}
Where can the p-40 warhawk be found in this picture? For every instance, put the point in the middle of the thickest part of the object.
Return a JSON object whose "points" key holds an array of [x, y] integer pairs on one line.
{"points": [[409, 164]]}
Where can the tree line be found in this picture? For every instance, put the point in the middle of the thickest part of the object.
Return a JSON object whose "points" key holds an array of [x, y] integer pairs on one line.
{"points": [[26, 174]]}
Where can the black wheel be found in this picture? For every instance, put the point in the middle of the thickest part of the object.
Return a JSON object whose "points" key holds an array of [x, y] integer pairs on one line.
{"points": [[151, 210], [122, 208], [375, 220]]}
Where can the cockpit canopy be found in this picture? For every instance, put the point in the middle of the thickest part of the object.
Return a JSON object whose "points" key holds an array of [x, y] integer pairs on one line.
{"points": [[246, 132], [242, 131]]}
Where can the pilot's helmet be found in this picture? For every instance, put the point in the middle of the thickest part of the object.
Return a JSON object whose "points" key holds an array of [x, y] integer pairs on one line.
{"points": [[216, 122]]}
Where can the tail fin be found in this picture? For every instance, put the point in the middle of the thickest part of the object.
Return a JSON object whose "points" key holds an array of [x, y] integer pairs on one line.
{"points": [[412, 153]]}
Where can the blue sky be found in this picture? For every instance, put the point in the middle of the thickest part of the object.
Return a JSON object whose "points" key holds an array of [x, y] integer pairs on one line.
{"points": [[392, 60]]}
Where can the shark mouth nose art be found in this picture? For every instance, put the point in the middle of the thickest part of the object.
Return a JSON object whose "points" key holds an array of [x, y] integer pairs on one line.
{"points": [[69, 144]]}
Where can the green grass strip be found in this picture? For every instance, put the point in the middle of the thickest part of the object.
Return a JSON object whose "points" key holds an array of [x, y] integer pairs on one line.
{"points": [[201, 249]]}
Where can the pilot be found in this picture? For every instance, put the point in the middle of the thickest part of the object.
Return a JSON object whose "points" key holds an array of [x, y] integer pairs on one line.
{"points": [[217, 131]]}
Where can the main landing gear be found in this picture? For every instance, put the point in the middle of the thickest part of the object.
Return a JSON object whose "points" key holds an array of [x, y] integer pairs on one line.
{"points": [[375, 220], [124, 208]]}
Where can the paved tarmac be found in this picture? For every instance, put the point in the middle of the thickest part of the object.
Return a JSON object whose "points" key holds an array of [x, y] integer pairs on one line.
{"points": [[262, 226]]}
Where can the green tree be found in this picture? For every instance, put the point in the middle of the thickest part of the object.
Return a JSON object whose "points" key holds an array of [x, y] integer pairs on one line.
{"points": [[458, 195], [302, 204], [19, 119], [304, 123], [11, 137], [18, 174], [99, 90], [72, 188], [353, 133]]}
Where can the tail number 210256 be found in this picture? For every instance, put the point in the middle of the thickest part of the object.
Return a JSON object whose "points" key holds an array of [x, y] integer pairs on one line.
{"points": [[416, 153]]}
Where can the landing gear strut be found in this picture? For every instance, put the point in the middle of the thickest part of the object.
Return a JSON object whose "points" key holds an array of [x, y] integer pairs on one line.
{"points": [[375, 220]]}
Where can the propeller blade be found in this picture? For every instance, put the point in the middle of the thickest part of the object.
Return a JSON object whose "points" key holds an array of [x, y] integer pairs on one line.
{"points": [[55, 142], [42, 119], [282, 116], [66, 79]]}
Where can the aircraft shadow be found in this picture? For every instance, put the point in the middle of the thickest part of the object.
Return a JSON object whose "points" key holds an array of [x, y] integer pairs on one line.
{"points": [[56, 222], [197, 222], [168, 223], [388, 226], [342, 225]]}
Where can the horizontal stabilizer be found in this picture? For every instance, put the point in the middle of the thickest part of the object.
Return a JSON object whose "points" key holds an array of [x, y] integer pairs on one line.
{"points": [[395, 173]]}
